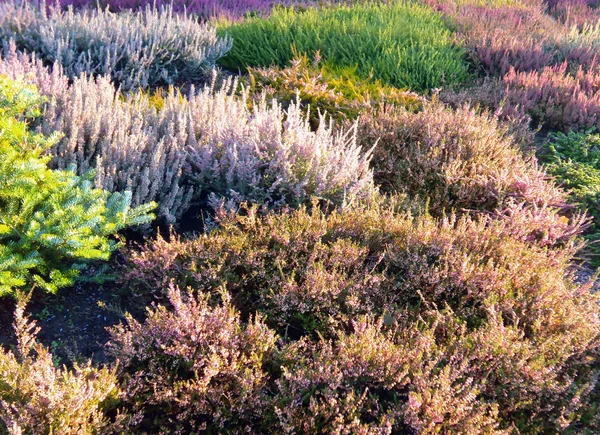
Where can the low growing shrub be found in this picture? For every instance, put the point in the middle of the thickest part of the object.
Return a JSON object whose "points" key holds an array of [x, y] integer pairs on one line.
{"points": [[148, 48], [320, 88], [37, 397], [194, 367], [515, 347], [231, 9], [554, 98], [331, 270], [574, 12], [498, 38], [401, 43], [51, 222], [374, 381], [208, 145], [464, 162], [523, 37]]}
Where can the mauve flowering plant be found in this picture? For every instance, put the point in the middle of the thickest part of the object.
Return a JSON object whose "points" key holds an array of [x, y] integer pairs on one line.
{"points": [[554, 98], [212, 146], [486, 328], [194, 366], [466, 162], [37, 397]]}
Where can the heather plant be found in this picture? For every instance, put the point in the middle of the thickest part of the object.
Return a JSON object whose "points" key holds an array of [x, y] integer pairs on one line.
{"points": [[340, 93], [578, 47], [209, 145], [522, 37], [51, 222], [231, 9], [272, 157], [149, 48], [38, 398], [466, 162], [517, 348], [554, 98], [574, 12], [372, 381], [498, 38], [403, 44], [194, 367]]}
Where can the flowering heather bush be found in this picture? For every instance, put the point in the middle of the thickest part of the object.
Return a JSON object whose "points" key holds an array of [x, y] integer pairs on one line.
{"points": [[499, 38], [233, 9], [331, 270], [523, 37], [574, 12], [271, 156], [194, 367], [374, 382], [522, 348], [207, 145], [149, 48], [38, 398], [554, 98], [466, 162], [402, 43]]}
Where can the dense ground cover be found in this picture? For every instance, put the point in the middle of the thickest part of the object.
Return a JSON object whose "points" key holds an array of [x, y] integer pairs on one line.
{"points": [[369, 217], [400, 43]]}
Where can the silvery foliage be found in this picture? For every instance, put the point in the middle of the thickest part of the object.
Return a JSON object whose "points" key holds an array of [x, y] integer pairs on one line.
{"points": [[136, 49], [211, 145]]}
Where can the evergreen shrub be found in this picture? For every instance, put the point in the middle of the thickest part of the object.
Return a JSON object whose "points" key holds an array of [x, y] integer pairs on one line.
{"points": [[51, 222], [574, 160], [401, 43]]}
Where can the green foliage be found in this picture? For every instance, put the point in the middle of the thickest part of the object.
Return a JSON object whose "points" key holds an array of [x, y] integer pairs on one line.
{"points": [[322, 88], [574, 159], [402, 43], [51, 222]]}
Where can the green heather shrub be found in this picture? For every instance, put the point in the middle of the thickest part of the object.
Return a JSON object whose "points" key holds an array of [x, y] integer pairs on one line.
{"points": [[490, 331], [340, 92], [136, 49], [403, 44], [195, 366], [462, 161], [310, 271], [51, 222], [38, 398], [574, 160]]}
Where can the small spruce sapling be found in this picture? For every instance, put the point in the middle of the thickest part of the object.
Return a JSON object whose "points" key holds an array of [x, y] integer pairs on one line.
{"points": [[51, 222]]}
